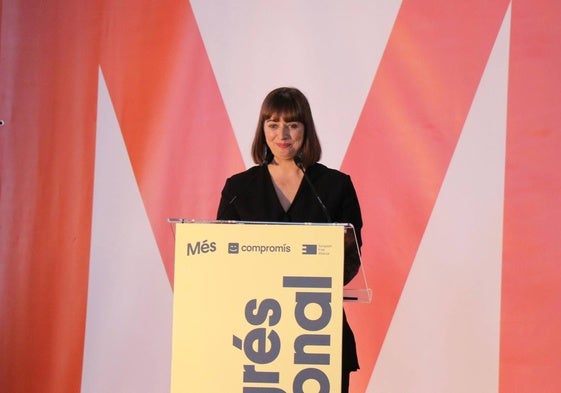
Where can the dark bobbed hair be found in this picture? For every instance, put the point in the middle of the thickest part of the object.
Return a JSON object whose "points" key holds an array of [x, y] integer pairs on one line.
{"points": [[289, 104]]}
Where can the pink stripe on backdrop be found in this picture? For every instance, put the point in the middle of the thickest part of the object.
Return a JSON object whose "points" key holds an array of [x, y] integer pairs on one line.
{"points": [[404, 141], [48, 78], [530, 358], [178, 135]]}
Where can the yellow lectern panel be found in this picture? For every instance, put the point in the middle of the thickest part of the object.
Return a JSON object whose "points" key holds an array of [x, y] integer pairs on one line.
{"points": [[257, 308]]}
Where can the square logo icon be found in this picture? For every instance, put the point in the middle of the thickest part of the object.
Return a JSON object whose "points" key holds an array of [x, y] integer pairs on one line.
{"points": [[309, 249], [233, 248]]}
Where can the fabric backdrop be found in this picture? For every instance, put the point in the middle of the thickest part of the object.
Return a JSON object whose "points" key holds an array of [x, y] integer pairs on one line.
{"points": [[115, 115]]}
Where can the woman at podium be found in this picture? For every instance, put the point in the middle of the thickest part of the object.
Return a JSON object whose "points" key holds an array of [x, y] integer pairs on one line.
{"points": [[288, 184]]}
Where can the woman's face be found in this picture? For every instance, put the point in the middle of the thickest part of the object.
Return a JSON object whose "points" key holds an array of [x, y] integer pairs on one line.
{"points": [[285, 139]]}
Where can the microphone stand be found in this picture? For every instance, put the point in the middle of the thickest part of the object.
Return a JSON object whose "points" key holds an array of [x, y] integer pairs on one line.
{"points": [[299, 164]]}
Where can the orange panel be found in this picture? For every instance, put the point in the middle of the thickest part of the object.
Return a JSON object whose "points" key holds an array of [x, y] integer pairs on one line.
{"points": [[530, 357], [49, 81]]}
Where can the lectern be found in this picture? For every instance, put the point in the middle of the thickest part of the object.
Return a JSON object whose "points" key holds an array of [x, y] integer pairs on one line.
{"points": [[258, 306]]}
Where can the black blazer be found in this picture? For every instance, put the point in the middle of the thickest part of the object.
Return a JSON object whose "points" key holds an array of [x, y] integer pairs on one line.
{"points": [[250, 196]]}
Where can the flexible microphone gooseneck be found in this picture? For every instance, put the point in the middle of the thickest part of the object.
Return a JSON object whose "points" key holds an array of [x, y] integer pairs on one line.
{"points": [[299, 164]]}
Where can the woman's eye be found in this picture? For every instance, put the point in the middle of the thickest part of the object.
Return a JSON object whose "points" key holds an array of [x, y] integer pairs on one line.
{"points": [[293, 125]]}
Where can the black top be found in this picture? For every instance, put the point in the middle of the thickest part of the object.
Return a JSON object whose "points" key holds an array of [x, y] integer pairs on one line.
{"points": [[251, 196]]}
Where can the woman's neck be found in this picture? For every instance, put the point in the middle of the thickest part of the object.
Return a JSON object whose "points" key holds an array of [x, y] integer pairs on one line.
{"points": [[284, 166], [286, 178]]}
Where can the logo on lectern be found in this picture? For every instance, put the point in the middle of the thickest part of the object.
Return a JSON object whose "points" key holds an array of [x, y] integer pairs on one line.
{"points": [[200, 247], [309, 249], [233, 248]]}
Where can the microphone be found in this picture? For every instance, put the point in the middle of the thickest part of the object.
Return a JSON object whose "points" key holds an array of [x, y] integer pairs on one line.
{"points": [[299, 164], [225, 207]]}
